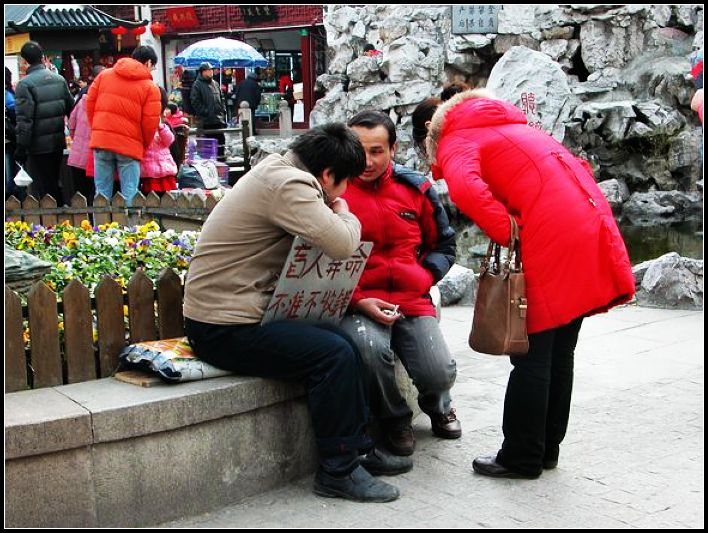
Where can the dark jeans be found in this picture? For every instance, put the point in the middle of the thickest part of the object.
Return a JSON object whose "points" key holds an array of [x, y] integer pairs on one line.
{"points": [[44, 170], [320, 356], [537, 403]]}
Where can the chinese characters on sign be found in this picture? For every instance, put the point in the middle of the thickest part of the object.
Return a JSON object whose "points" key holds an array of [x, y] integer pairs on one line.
{"points": [[475, 19], [528, 106], [182, 17], [258, 13], [314, 287]]}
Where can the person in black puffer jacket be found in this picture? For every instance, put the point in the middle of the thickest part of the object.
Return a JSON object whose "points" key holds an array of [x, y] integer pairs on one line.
{"points": [[42, 101], [209, 110]]}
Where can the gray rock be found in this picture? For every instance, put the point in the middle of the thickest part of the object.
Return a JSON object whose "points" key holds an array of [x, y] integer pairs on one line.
{"points": [[455, 283], [522, 71], [262, 147], [616, 192], [663, 207], [23, 270], [671, 282], [611, 43]]}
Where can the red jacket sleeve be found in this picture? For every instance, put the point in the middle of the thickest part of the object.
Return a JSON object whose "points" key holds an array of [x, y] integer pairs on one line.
{"points": [[459, 160]]}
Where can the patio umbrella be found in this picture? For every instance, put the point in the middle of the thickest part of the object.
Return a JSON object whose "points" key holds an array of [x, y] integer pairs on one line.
{"points": [[221, 52]]}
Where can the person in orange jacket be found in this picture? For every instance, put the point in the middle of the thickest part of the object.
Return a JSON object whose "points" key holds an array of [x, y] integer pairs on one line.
{"points": [[123, 108]]}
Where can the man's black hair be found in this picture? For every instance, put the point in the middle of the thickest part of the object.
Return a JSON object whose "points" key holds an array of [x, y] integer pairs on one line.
{"points": [[332, 146], [172, 107], [32, 52], [370, 119], [143, 53]]}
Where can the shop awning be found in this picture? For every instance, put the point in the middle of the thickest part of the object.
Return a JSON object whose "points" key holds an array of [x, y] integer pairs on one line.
{"points": [[23, 18]]}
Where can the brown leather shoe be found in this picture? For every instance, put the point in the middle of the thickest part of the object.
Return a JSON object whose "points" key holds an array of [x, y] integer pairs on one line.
{"points": [[400, 440], [446, 426]]}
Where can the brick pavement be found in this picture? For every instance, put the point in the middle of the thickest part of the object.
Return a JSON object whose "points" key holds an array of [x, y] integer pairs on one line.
{"points": [[632, 458]]}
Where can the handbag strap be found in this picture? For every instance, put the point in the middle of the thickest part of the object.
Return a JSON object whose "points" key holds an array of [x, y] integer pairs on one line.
{"points": [[493, 258]]}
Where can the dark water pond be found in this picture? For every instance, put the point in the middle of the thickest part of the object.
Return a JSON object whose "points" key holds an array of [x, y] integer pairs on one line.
{"points": [[643, 243]]}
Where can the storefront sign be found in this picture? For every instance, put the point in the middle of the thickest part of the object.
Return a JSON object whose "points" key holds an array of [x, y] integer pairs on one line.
{"points": [[13, 43], [475, 19], [182, 17], [258, 13]]}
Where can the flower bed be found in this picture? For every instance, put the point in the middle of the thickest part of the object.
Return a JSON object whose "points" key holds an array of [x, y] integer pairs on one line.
{"points": [[87, 253]]}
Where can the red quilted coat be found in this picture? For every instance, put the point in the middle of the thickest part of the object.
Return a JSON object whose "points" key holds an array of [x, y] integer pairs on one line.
{"points": [[414, 245], [574, 257], [123, 108]]}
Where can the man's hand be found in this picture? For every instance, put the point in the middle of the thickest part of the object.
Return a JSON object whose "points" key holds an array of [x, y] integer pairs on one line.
{"points": [[382, 312], [21, 155], [339, 205]]}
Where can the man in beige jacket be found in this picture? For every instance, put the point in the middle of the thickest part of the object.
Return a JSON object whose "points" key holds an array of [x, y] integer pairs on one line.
{"points": [[239, 255]]}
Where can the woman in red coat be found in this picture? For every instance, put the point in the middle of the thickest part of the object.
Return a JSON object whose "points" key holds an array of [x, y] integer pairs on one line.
{"points": [[574, 258]]}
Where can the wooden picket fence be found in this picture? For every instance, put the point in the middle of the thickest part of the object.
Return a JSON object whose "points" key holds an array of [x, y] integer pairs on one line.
{"points": [[46, 361], [177, 210]]}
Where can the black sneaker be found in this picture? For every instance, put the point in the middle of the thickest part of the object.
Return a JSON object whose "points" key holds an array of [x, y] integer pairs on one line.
{"points": [[378, 462], [359, 486]]}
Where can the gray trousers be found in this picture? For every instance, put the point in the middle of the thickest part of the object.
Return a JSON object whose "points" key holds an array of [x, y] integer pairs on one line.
{"points": [[419, 344]]}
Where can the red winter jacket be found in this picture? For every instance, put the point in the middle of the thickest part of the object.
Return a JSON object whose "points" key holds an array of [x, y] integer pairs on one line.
{"points": [[575, 260], [414, 245], [123, 108]]}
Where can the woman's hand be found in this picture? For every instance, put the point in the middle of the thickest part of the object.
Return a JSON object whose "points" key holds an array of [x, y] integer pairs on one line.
{"points": [[382, 312]]}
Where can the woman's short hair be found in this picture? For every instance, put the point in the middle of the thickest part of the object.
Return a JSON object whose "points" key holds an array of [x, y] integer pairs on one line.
{"points": [[331, 146]]}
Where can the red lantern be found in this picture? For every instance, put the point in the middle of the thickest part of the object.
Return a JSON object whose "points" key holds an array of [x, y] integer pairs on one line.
{"points": [[119, 32], [139, 30], [158, 28]]}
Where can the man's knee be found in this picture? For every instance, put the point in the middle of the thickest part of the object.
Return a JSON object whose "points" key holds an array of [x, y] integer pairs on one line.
{"points": [[438, 379]]}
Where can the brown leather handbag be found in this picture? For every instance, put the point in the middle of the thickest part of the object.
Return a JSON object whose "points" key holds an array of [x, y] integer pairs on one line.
{"points": [[499, 321]]}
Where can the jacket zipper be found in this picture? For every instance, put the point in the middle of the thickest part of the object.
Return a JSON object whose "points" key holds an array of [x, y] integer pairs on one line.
{"points": [[560, 158]]}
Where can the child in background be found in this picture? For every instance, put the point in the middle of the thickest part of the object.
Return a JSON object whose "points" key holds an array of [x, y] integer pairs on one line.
{"points": [[158, 169], [174, 116]]}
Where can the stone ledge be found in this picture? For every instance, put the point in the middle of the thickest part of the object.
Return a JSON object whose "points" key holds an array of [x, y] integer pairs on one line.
{"points": [[48, 420], [44, 421], [110, 454]]}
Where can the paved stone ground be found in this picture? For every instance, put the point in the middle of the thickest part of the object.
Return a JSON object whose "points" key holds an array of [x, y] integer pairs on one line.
{"points": [[632, 458]]}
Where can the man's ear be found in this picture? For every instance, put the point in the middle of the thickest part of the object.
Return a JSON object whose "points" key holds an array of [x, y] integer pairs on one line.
{"points": [[327, 177], [394, 149]]}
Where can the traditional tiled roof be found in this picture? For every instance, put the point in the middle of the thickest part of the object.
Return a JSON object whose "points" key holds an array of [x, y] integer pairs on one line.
{"points": [[61, 16]]}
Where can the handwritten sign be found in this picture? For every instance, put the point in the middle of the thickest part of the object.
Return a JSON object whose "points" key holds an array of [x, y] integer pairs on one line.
{"points": [[314, 287], [475, 19]]}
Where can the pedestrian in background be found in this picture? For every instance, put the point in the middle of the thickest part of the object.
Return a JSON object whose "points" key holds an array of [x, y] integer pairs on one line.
{"points": [[158, 170], [209, 110], [574, 258], [81, 156], [123, 108], [43, 102]]}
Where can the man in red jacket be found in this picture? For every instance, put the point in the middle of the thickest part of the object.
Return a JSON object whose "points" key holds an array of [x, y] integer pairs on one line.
{"points": [[391, 312]]}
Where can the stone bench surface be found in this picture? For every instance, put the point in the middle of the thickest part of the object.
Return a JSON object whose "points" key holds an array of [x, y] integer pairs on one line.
{"points": [[70, 416]]}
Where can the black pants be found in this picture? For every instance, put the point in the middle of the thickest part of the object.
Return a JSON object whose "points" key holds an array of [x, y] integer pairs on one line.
{"points": [[44, 170], [537, 403], [83, 184], [320, 356]]}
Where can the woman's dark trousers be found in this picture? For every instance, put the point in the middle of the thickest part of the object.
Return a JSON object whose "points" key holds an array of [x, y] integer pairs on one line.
{"points": [[320, 356], [537, 403]]}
